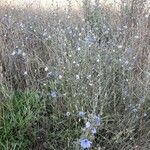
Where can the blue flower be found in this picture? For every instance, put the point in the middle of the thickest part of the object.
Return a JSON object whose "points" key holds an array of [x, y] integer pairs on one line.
{"points": [[85, 143], [134, 110], [53, 94], [93, 130], [81, 113], [97, 120]]}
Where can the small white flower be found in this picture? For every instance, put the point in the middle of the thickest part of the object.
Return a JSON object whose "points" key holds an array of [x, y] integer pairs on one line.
{"points": [[78, 48], [88, 124], [64, 94], [77, 65], [82, 29], [13, 53], [23, 54], [67, 114], [136, 37], [25, 73], [106, 32], [76, 28], [119, 46], [90, 45], [130, 68], [49, 37], [60, 76], [98, 60], [125, 27], [89, 76], [134, 57], [146, 16], [90, 84], [45, 33], [46, 69], [145, 114], [77, 77]]}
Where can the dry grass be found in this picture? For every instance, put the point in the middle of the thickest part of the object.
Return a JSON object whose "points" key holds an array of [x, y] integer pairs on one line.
{"points": [[94, 59]]}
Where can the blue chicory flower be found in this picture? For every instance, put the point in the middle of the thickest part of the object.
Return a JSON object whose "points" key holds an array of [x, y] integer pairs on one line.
{"points": [[85, 143], [81, 113], [97, 120], [93, 130], [53, 94]]}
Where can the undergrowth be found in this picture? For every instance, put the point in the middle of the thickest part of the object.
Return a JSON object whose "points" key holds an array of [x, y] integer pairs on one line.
{"points": [[75, 79]]}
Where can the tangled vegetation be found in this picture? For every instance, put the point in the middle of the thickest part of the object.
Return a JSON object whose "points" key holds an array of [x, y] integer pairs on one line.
{"points": [[73, 79]]}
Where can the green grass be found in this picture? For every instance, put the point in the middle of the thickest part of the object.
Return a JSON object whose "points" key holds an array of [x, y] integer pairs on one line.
{"points": [[26, 121]]}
